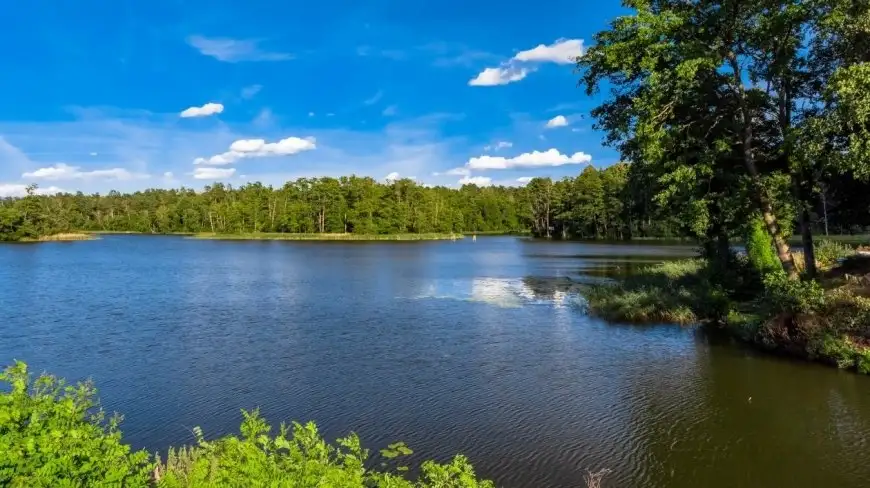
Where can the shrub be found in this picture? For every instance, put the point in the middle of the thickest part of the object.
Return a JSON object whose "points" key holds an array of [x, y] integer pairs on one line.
{"points": [[50, 436], [829, 252], [792, 296], [759, 249]]}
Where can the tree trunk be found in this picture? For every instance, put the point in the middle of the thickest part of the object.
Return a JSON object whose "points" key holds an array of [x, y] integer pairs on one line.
{"points": [[770, 222], [807, 240], [798, 186]]}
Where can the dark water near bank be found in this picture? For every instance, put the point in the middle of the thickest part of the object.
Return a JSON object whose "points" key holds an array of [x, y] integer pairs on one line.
{"points": [[474, 347]]}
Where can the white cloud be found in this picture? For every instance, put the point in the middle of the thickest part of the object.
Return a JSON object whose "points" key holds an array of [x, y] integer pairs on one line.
{"points": [[498, 145], [534, 159], [525, 179], [93, 154], [204, 111], [168, 175], [8, 190], [557, 121], [390, 111], [235, 50], [500, 76], [392, 176], [248, 92], [374, 99], [476, 180], [258, 148], [563, 51], [213, 173], [311, 114], [63, 171]]}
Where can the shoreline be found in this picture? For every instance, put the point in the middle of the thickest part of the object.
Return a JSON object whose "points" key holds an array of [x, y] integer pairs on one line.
{"points": [[825, 323], [325, 237], [63, 237]]}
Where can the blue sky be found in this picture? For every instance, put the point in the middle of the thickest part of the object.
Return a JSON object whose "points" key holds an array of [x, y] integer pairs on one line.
{"points": [[127, 95]]}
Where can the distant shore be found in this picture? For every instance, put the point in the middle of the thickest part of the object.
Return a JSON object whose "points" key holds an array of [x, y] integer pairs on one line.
{"points": [[268, 236]]}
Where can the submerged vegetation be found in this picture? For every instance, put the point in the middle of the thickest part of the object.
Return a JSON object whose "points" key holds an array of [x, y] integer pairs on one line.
{"points": [[52, 434]]}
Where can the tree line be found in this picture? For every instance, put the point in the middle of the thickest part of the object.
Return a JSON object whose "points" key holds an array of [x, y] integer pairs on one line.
{"points": [[594, 204]]}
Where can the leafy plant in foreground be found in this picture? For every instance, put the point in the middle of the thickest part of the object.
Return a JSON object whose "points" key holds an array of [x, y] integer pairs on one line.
{"points": [[51, 436]]}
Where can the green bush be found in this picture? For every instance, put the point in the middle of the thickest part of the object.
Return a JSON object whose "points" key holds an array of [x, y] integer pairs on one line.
{"points": [[50, 437], [792, 296], [759, 249], [298, 457], [829, 252]]}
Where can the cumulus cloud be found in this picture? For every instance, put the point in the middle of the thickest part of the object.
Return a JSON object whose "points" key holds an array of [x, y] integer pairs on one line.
{"points": [[534, 159], [525, 179], [395, 176], [12, 190], [557, 121], [234, 50], [213, 173], [168, 175], [498, 145], [476, 180], [248, 92], [204, 111], [258, 148], [563, 51], [63, 171], [499, 76]]}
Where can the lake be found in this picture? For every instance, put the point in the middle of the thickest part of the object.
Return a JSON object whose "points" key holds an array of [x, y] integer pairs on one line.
{"points": [[477, 347]]}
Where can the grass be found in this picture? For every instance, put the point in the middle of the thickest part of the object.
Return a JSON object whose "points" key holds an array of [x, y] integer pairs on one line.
{"points": [[135, 232], [63, 237], [268, 236], [498, 233], [662, 292], [851, 239], [826, 321]]}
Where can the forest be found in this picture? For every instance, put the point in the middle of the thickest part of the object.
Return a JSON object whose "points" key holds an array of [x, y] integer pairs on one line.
{"points": [[594, 204], [610, 203]]}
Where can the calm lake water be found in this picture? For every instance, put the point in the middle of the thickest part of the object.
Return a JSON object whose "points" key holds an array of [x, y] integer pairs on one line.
{"points": [[473, 347]]}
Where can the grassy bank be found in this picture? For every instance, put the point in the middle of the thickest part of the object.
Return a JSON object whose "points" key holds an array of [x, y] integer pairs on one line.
{"points": [[63, 237], [826, 321], [52, 434], [135, 233], [327, 237]]}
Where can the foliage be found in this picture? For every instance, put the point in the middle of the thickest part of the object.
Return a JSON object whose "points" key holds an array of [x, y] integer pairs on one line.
{"points": [[759, 249], [588, 206], [674, 291], [297, 456], [792, 296], [829, 252], [50, 436]]}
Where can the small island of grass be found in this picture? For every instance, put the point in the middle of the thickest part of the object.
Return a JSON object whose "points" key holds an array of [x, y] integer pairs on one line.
{"points": [[63, 237], [279, 236]]}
